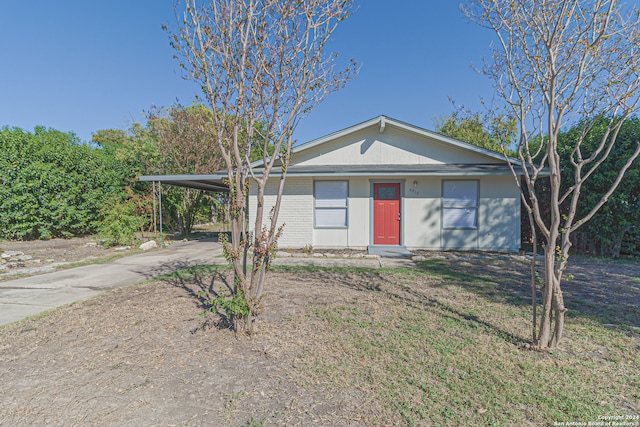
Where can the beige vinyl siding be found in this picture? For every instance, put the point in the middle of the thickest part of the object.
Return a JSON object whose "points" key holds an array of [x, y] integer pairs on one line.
{"points": [[393, 147], [498, 224]]}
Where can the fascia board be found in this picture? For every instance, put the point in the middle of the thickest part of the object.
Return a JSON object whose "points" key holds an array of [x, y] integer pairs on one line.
{"points": [[183, 177], [405, 174]]}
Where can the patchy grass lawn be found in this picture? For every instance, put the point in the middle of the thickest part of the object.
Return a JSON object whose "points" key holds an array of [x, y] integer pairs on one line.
{"points": [[444, 344]]}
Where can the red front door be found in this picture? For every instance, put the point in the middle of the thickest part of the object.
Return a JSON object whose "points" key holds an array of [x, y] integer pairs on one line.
{"points": [[386, 214]]}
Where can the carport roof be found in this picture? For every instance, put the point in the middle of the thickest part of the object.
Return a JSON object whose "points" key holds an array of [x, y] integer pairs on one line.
{"points": [[213, 182]]}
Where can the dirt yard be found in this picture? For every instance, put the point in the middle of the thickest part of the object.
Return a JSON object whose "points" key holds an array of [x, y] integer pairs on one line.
{"points": [[143, 355], [45, 256]]}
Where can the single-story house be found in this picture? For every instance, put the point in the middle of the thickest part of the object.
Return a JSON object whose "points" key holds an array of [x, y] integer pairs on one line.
{"points": [[384, 182]]}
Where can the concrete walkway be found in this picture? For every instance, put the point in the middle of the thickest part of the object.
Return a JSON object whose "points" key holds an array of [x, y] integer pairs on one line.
{"points": [[28, 296], [348, 262]]}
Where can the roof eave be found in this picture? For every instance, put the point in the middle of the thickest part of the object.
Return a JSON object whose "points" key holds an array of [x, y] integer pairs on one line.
{"points": [[395, 174]]}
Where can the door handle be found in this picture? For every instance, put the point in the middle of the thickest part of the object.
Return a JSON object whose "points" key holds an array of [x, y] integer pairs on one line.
{"points": [[398, 216]]}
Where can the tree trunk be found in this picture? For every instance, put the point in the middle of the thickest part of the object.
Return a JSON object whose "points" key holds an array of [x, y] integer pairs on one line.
{"points": [[559, 310], [534, 280], [617, 243], [544, 332], [553, 308], [187, 211]]}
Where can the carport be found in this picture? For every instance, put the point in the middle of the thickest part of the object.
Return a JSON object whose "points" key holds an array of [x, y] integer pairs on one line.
{"points": [[207, 182]]}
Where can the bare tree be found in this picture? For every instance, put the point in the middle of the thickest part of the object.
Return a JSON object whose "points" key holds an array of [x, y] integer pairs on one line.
{"points": [[262, 67], [557, 62]]}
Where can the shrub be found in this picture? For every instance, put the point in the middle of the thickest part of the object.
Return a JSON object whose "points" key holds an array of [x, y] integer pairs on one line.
{"points": [[120, 223], [52, 185]]}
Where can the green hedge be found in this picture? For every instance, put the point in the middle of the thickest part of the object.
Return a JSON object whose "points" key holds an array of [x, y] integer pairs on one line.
{"points": [[53, 185]]}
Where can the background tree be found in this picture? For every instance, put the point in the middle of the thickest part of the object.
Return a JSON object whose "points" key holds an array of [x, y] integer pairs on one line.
{"points": [[618, 218], [262, 66], [478, 129], [557, 62], [175, 140], [130, 212], [53, 185], [184, 141]]}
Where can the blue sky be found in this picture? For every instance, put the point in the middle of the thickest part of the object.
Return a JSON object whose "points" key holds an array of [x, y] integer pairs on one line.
{"points": [[85, 65]]}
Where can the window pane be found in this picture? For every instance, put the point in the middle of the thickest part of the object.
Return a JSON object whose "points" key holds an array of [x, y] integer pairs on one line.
{"points": [[331, 194], [387, 193], [331, 217], [459, 218], [330, 203], [460, 194]]}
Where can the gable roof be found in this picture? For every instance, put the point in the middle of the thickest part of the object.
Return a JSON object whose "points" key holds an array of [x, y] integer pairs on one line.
{"points": [[384, 121], [215, 182]]}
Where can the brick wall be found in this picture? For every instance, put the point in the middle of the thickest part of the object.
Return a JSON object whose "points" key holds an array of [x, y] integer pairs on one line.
{"points": [[296, 210]]}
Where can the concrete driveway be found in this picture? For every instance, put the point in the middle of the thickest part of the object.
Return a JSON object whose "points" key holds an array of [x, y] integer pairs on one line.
{"points": [[28, 296]]}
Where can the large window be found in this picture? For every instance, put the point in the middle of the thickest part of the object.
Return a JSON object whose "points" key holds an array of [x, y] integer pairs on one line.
{"points": [[330, 203], [459, 204]]}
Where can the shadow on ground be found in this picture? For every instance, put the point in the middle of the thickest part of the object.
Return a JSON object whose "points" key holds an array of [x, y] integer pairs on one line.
{"points": [[605, 291], [202, 283]]}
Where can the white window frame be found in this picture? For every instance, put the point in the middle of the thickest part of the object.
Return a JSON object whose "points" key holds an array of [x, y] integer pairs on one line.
{"points": [[325, 204], [460, 209]]}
